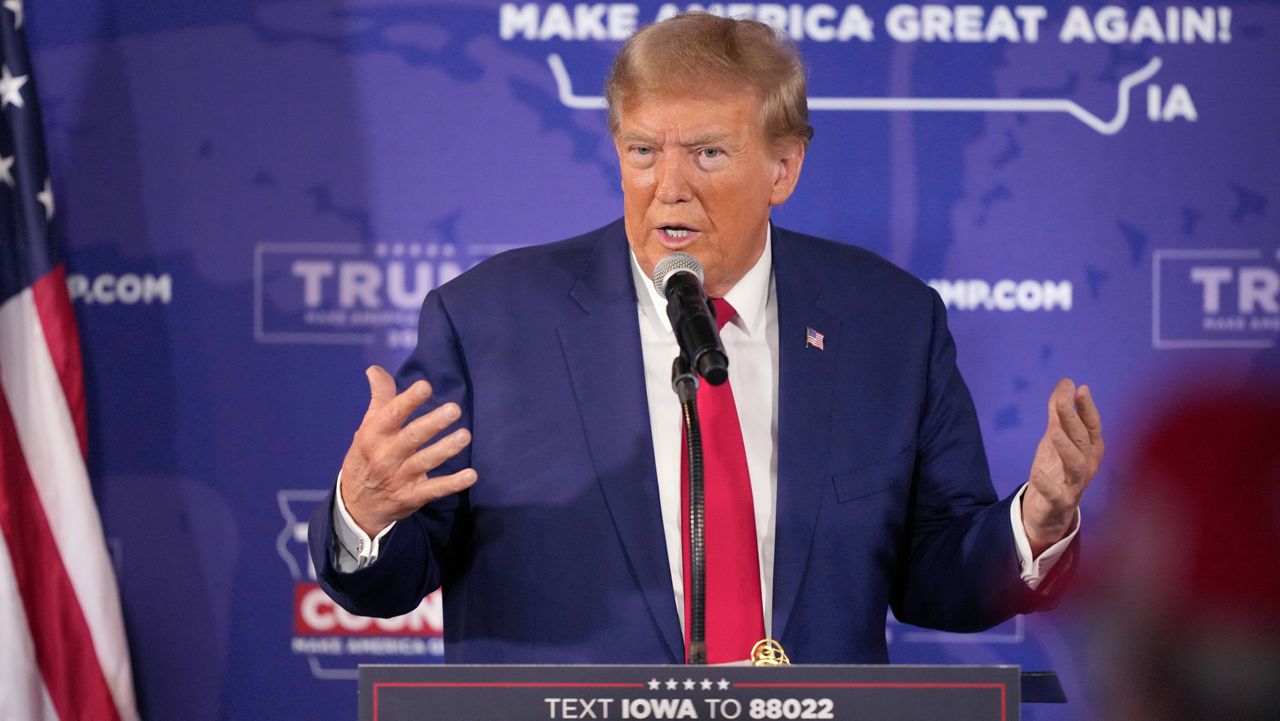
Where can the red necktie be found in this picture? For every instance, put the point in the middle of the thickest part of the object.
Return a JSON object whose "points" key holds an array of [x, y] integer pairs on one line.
{"points": [[735, 618]]}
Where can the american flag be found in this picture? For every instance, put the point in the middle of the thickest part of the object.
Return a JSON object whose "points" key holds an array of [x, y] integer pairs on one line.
{"points": [[812, 338], [62, 643]]}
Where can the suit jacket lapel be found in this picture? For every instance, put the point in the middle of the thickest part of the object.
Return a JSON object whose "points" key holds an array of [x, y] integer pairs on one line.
{"points": [[806, 380], [602, 351]]}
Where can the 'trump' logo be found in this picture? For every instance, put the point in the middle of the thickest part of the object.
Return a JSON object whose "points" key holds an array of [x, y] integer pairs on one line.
{"points": [[345, 293], [1215, 298]]}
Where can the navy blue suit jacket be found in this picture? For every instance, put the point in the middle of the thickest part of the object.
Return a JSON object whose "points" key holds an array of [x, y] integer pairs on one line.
{"points": [[557, 553]]}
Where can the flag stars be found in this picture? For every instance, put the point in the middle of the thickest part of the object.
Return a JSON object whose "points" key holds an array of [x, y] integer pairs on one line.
{"points": [[654, 684], [46, 199], [706, 684], [688, 684], [723, 685], [11, 88], [672, 684]]}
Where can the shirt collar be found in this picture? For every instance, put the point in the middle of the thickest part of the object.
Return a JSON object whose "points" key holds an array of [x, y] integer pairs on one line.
{"points": [[749, 296]]}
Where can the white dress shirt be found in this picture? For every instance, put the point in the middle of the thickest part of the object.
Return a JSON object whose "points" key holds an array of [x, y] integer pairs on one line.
{"points": [[751, 342]]}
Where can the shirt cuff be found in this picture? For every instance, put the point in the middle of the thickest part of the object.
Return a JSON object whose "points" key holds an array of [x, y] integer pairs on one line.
{"points": [[1034, 570], [355, 550]]}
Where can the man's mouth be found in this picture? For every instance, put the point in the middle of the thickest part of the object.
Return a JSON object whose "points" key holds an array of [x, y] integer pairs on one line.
{"points": [[677, 232]]}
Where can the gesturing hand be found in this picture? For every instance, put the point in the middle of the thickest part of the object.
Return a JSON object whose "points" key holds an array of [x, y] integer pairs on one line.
{"points": [[1066, 460], [384, 476]]}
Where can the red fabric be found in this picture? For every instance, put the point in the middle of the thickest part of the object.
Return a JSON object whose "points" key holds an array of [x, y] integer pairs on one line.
{"points": [[64, 649], [735, 614], [58, 320], [1213, 468]]}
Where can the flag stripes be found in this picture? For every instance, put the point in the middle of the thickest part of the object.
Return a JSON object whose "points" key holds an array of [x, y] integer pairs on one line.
{"points": [[25, 696], [63, 654], [50, 522], [57, 319], [64, 649]]}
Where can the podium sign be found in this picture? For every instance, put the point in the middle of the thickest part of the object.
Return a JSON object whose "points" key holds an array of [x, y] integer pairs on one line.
{"points": [[711, 693]]}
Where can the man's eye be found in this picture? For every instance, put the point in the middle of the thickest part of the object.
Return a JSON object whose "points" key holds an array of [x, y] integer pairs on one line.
{"points": [[641, 150], [712, 152]]}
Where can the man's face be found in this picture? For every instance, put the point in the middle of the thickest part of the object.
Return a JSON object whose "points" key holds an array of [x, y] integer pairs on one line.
{"points": [[698, 175]]}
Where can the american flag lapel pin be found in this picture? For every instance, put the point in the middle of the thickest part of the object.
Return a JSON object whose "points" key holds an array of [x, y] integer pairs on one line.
{"points": [[812, 339]]}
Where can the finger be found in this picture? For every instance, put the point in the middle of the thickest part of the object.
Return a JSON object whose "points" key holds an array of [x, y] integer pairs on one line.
{"points": [[1069, 421], [1064, 388], [423, 429], [1089, 413], [382, 387], [1093, 421], [428, 459], [393, 415], [427, 490], [1073, 460]]}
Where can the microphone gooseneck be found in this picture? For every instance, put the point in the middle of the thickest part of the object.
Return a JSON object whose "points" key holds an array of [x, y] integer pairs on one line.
{"points": [[685, 384], [678, 277]]}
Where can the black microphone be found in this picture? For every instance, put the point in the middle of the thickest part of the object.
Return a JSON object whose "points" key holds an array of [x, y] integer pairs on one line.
{"points": [[678, 277]]}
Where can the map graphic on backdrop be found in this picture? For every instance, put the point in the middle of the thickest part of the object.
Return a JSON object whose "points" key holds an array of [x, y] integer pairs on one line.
{"points": [[909, 23], [948, 105], [257, 194]]}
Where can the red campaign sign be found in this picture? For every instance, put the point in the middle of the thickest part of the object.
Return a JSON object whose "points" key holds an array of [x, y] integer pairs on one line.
{"points": [[315, 614]]}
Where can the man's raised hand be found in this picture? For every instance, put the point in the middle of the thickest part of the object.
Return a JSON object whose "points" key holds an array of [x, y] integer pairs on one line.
{"points": [[1066, 461], [386, 474]]}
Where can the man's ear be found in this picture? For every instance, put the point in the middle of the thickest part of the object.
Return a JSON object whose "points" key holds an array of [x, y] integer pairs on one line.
{"points": [[787, 164]]}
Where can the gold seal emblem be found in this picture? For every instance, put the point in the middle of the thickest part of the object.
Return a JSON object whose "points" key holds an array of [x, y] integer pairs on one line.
{"points": [[768, 652]]}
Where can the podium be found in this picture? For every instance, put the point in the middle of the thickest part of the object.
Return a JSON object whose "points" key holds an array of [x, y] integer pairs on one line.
{"points": [[717, 693]]}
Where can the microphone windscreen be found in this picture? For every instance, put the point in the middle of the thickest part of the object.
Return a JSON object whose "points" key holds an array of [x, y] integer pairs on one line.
{"points": [[671, 264]]}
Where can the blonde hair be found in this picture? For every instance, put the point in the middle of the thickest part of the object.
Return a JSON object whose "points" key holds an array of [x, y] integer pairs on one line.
{"points": [[693, 49]]}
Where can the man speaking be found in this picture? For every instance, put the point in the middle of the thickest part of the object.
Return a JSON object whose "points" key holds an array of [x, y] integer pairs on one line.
{"points": [[845, 474]]}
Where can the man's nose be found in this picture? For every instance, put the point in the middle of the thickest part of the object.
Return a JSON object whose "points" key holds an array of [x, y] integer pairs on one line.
{"points": [[673, 180]]}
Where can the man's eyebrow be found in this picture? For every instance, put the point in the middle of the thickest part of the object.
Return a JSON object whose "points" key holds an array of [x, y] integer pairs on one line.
{"points": [[710, 137], [634, 137]]}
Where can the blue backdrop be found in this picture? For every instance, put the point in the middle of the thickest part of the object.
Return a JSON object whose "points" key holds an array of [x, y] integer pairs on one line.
{"points": [[257, 195]]}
